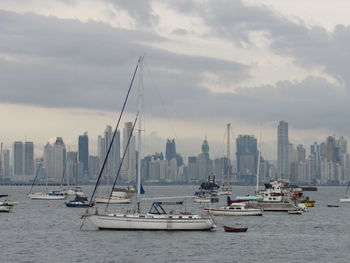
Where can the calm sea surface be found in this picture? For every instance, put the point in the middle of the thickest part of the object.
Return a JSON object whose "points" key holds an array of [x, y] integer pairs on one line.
{"points": [[48, 231]]}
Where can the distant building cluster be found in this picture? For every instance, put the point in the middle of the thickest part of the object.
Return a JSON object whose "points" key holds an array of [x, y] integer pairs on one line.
{"points": [[327, 163]]}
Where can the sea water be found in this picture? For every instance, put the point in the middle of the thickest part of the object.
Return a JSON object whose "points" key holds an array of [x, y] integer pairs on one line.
{"points": [[48, 231]]}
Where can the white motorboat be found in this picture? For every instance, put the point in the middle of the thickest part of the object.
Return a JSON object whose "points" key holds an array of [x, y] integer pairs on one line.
{"points": [[235, 209], [5, 208]]}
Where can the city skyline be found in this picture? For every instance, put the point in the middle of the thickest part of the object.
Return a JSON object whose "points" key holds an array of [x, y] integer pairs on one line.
{"points": [[326, 161]]}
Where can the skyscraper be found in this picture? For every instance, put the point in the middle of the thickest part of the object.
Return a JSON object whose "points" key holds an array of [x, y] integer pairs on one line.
{"points": [[129, 164], [247, 157], [83, 152], [18, 159], [29, 158], [59, 159], [205, 165], [170, 150], [5, 164], [282, 150]]}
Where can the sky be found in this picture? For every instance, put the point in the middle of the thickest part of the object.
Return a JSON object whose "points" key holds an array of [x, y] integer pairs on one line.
{"points": [[65, 67]]}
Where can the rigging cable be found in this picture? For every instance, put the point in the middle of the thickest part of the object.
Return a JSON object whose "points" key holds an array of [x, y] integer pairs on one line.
{"points": [[112, 140]]}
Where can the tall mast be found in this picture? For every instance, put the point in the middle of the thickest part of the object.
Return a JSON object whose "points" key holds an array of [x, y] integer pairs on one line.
{"points": [[139, 152], [228, 152], [258, 166]]}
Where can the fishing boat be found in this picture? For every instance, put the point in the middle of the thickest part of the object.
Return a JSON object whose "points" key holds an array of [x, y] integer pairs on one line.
{"points": [[79, 201], [235, 229], [157, 218], [236, 209]]}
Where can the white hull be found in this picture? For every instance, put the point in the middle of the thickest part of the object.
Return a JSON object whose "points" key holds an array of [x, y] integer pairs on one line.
{"points": [[344, 200], [4, 208], [151, 222], [42, 196], [227, 212], [113, 200]]}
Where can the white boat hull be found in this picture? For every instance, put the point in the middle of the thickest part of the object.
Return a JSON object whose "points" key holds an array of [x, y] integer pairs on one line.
{"points": [[228, 212], [151, 222], [113, 200], [42, 196], [5, 208], [344, 200]]}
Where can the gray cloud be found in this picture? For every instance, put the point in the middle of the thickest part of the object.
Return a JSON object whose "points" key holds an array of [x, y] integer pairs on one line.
{"points": [[66, 63]]}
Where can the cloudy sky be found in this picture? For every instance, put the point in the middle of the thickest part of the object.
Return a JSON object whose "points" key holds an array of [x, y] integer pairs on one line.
{"points": [[65, 66]]}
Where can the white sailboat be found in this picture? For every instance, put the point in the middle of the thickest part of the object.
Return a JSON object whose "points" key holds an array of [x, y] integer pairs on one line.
{"points": [[49, 195], [159, 220], [227, 189]]}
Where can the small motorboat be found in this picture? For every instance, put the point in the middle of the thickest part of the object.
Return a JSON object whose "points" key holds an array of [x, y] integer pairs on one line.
{"points": [[295, 212], [329, 205], [5, 208], [79, 201], [235, 229]]}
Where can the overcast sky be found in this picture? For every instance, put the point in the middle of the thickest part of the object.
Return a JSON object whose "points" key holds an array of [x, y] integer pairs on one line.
{"points": [[65, 66]]}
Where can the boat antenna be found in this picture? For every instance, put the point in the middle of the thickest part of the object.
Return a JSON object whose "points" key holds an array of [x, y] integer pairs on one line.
{"points": [[112, 140], [120, 165]]}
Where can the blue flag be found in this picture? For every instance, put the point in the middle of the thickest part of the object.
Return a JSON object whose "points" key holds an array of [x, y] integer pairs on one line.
{"points": [[142, 191]]}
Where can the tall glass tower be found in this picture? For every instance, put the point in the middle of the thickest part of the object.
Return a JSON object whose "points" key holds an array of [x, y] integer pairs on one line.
{"points": [[283, 170]]}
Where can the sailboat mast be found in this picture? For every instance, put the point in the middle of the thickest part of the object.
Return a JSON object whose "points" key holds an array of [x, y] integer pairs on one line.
{"points": [[139, 150], [258, 166], [228, 152]]}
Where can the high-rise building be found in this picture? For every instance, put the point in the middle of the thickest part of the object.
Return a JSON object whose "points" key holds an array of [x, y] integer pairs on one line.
{"points": [[247, 157], [71, 171], [83, 152], [29, 159], [331, 149], [5, 164], [59, 159], [113, 161], [18, 159], [205, 165], [129, 163], [283, 169], [94, 167], [170, 150], [192, 170], [48, 161], [301, 153]]}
